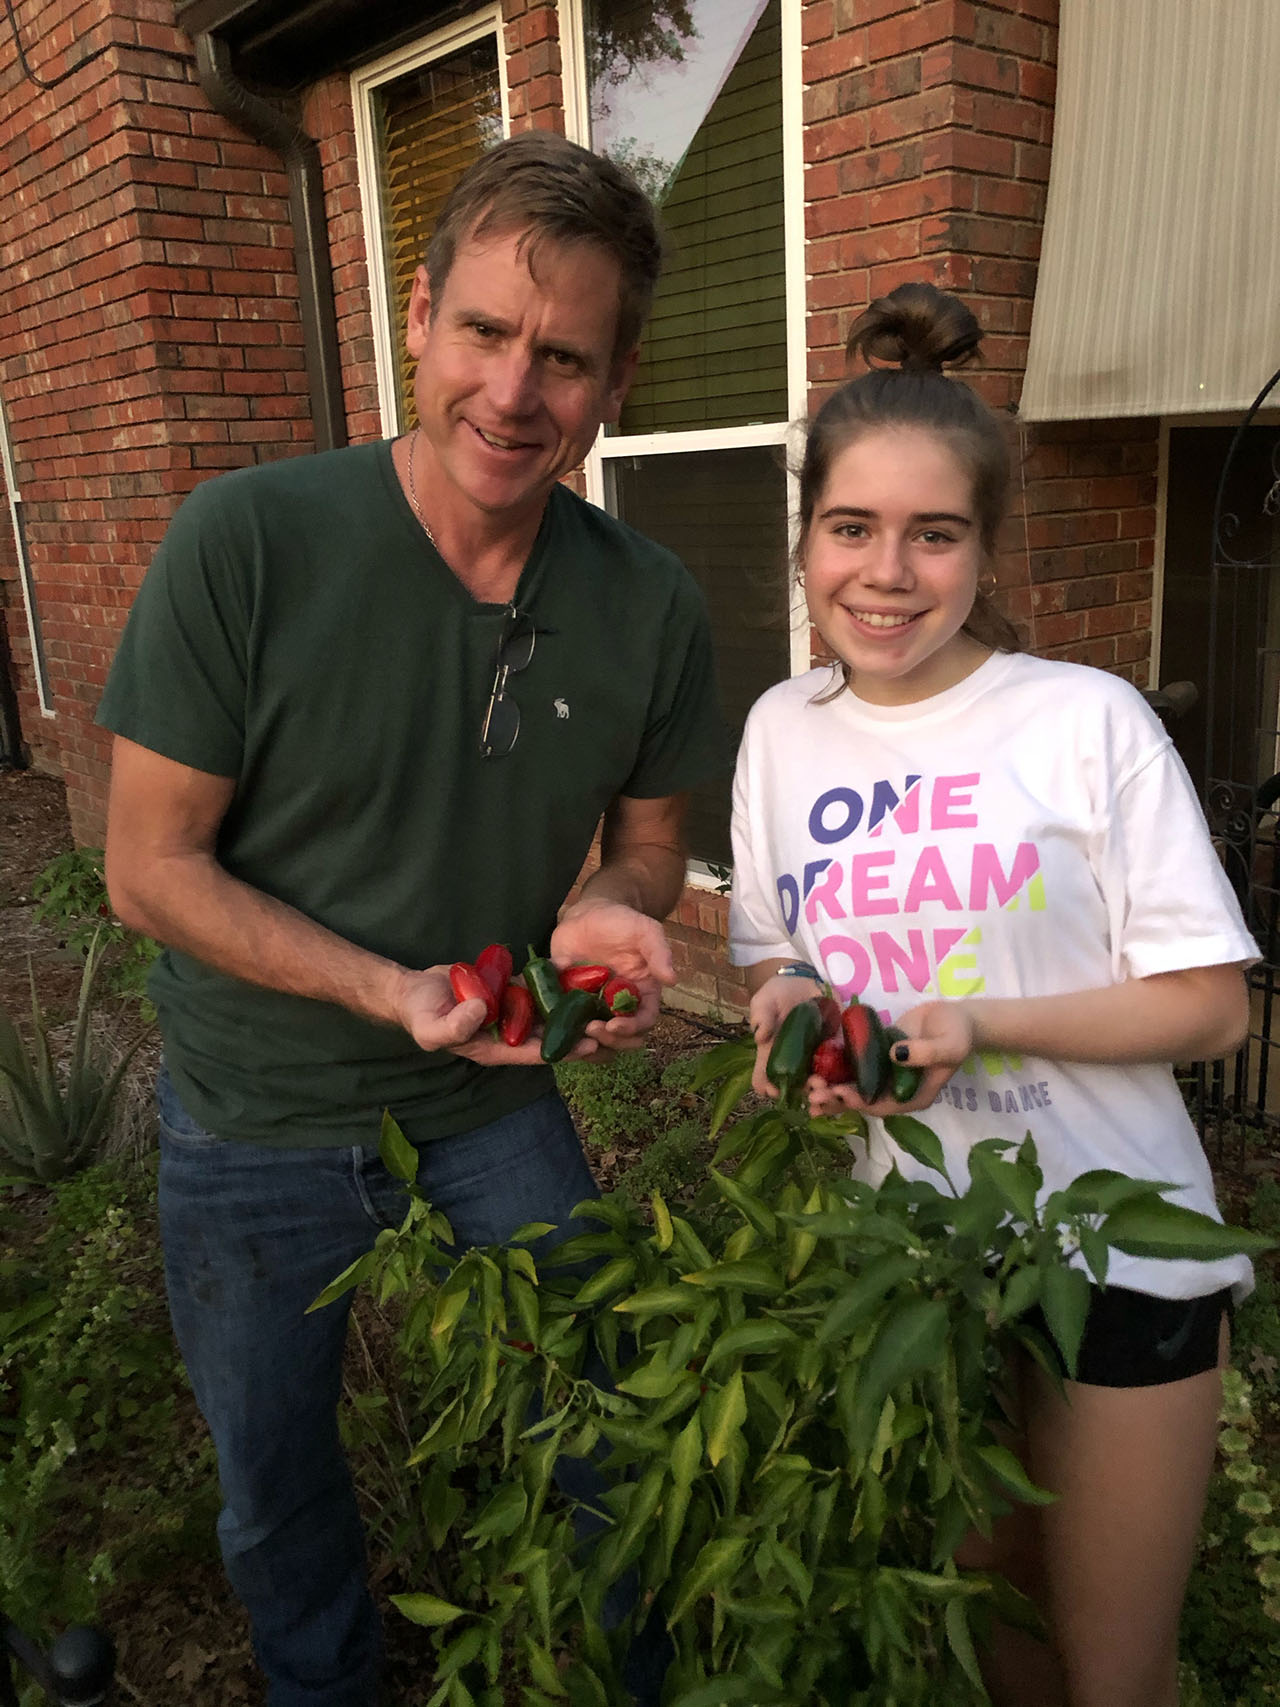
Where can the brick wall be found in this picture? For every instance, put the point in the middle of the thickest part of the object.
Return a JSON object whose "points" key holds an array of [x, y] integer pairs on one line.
{"points": [[928, 126], [149, 330]]}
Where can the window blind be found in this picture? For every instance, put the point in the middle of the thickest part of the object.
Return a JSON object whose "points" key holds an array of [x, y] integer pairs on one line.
{"points": [[1159, 283], [714, 353], [431, 124]]}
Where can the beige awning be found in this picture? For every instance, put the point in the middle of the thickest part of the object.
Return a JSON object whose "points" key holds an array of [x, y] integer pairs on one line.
{"points": [[1159, 284]]}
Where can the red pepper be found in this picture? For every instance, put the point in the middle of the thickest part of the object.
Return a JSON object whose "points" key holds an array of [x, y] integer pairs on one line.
{"points": [[515, 1021], [831, 1061], [468, 986], [620, 996], [829, 1008], [584, 978], [868, 1052], [494, 965]]}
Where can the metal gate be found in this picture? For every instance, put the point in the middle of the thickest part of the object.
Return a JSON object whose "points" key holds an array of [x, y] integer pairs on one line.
{"points": [[1237, 1101]]}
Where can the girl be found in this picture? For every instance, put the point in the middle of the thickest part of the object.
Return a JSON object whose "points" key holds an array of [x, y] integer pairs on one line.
{"points": [[1004, 855]]}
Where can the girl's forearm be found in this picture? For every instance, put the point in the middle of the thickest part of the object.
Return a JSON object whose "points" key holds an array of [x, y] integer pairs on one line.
{"points": [[1191, 1015]]}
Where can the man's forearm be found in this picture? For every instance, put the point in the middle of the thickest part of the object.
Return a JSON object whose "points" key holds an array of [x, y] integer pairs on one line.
{"points": [[648, 879], [189, 902]]}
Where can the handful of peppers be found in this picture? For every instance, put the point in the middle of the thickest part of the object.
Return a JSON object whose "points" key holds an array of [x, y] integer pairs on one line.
{"points": [[566, 1000], [848, 1046]]}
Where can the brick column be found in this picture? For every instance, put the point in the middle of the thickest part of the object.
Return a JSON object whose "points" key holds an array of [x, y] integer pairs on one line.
{"points": [[927, 142], [149, 330]]}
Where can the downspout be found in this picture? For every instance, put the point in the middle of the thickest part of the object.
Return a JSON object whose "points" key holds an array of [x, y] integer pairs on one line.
{"points": [[270, 124]]}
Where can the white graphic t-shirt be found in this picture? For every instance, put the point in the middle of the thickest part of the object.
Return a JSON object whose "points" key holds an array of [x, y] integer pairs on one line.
{"points": [[1028, 832]]}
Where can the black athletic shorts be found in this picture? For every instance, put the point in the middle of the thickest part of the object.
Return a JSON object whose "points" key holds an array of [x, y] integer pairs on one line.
{"points": [[1134, 1340]]}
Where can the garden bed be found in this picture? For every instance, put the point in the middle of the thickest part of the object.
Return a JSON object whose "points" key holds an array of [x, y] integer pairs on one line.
{"points": [[140, 1490]]}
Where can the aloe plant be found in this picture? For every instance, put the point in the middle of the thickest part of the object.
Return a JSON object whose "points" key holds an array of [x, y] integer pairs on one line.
{"points": [[52, 1117]]}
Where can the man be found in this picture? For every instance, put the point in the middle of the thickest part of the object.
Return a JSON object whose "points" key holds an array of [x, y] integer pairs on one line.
{"points": [[369, 708]]}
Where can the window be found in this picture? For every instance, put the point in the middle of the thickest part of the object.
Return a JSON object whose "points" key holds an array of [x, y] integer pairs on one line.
{"points": [[692, 96], [423, 116]]}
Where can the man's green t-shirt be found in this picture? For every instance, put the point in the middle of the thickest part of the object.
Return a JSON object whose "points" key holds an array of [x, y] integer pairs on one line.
{"points": [[298, 633]]}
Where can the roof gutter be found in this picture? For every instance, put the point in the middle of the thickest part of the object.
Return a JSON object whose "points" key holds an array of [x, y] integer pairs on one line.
{"points": [[271, 124]]}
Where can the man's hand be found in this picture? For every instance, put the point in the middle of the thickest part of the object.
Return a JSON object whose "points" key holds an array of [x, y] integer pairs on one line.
{"points": [[428, 1011], [607, 933], [939, 1039]]}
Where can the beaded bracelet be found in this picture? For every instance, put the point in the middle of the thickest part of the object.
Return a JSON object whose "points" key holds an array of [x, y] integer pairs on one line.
{"points": [[800, 969]]}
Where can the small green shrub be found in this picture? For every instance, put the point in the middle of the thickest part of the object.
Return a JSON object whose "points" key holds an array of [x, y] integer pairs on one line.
{"points": [[673, 1164], [102, 1473], [71, 893], [1231, 1621], [798, 1426], [53, 1115]]}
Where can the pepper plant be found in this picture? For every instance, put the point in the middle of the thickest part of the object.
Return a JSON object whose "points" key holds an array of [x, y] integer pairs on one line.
{"points": [[779, 1415]]}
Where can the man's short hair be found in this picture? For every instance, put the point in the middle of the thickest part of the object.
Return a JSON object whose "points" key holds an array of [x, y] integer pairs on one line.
{"points": [[551, 190]]}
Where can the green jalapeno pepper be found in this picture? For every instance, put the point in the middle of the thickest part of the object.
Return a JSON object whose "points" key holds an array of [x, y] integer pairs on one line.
{"points": [[542, 979], [791, 1058], [567, 1021], [904, 1081]]}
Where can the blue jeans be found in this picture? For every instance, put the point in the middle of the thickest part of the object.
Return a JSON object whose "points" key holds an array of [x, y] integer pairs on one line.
{"points": [[251, 1235]]}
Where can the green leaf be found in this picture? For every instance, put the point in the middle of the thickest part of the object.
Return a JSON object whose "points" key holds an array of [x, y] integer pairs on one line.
{"points": [[748, 1274], [748, 1205], [503, 1515], [1102, 1190], [726, 1413], [720, 1689], [605, 1282], [911, 1338], [654, 1380], [1155, 1228], [1021, 1293], [749, 1338], [714, 1568], [659, 1301], [1065, 1296], [686, 1454], [880, 1277], [663, 1228], [353, 1275], [399, 1157], [426, 1609], [531, 1232], [920, 1142], [1008, 1471], [730, 1057], [730, 1094], [960, 1641]]}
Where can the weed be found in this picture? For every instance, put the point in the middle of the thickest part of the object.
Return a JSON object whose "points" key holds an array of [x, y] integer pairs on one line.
{"points": [[71, 893], [102, 1474]]}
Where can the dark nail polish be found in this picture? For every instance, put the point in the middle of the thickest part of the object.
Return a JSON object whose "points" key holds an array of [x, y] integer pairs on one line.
{"points": [[901, 1051]]}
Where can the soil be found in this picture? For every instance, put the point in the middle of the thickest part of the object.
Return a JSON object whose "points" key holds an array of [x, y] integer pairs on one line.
{"points": [[183, 1641], [34, 829]]}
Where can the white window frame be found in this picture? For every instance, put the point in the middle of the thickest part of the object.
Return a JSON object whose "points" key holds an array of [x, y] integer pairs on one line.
{"points": [[577, 114], [484, 21], [577, 117]]}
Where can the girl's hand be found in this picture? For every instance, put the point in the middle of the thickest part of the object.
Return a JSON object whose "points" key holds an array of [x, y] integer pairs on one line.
{"points": [[939, 1039], [770, 1005]]}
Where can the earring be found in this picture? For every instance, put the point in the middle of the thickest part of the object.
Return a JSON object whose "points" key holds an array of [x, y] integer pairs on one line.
{"points": [[987, 583]]}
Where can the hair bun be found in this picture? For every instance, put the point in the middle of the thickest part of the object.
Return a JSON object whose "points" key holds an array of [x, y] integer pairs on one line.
{"points": [[917, 328]]}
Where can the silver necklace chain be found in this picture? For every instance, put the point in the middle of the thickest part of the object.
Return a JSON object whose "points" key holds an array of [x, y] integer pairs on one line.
{"points": [[413, 490]]}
